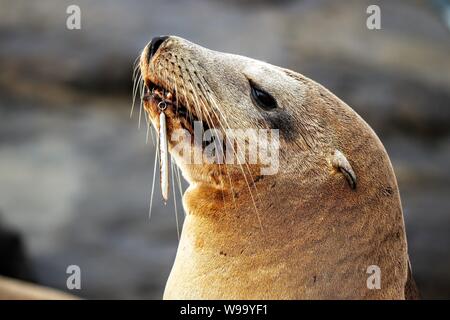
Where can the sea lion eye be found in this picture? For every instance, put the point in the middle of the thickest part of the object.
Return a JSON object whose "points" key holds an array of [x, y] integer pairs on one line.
{"points": [[261, 98]]}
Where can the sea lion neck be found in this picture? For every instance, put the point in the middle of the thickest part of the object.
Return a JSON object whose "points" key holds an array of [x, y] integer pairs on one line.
{"points": [[313, 228], [307, 244], [267, 198]]}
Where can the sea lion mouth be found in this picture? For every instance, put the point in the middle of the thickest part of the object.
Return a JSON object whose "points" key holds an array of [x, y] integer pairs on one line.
{"points": [[207, 135], [158, 99]]}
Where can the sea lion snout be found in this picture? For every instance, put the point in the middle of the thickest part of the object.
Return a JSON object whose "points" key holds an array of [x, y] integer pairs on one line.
{"points": [[154, 45]]}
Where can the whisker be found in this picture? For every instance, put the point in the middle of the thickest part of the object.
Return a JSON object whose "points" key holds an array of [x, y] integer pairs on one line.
{"points": [[142, 101], [136, 72], [175, 200], [245, 176], [148, 129], [211, 125], [221, 127], [153, 184], [177, 173]]}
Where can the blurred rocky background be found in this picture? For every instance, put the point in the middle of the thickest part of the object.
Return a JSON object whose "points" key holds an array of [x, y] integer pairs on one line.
{"points": [[75, 172]]}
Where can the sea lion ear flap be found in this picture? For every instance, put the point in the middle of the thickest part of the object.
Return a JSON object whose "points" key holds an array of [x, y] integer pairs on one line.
{"points": [[340, 163]]}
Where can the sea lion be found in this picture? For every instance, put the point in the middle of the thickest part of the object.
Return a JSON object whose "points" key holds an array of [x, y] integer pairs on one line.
{"points": [[309, 231]]}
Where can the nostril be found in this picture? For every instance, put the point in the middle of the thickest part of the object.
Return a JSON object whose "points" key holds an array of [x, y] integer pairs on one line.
{"points": [[154, 46]]}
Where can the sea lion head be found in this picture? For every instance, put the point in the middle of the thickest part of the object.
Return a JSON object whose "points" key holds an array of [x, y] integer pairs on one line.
{"points": [[228, 91]]}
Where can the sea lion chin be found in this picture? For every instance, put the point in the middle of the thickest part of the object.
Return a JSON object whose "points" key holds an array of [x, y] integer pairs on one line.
{"points": [[314, 228]]}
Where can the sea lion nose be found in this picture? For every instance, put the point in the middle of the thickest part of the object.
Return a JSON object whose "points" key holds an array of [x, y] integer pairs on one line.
{"points": [[154, 45]]}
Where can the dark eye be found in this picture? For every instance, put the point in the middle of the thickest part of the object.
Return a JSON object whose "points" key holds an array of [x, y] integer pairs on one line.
{"points": [[262, 99]]}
